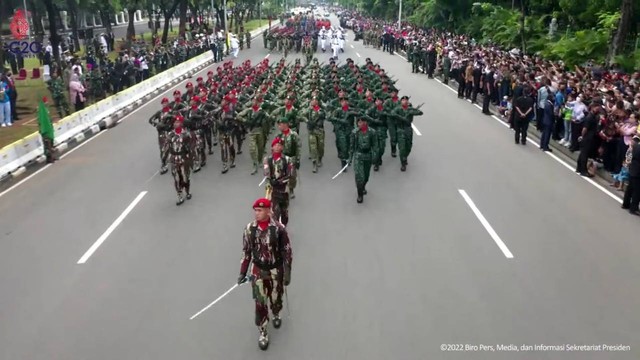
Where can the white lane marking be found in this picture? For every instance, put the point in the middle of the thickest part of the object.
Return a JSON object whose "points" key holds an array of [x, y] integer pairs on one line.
{"points": [[353, 47], [358, 54], [83, 144], [24, 180], [109, 230], [266, 56], [415, 129], [478, 106], [152, 176], [214, 302], [486, 225]]}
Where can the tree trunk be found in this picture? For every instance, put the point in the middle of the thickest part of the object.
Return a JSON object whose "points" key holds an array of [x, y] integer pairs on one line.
{"points": [[522, 30], [105, 16], [37, 20], [167, 20], [182, 28], [72, 6], [53, 31], [131, 29], [624, 27]]}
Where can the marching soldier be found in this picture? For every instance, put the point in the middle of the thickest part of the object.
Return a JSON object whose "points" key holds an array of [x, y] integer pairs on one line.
{"points": [[378, 120], [247, 36], [267, 256], [364, 147], [226, 128], [292, 149], [404, 118], [163, 122], [279, 169], [180, 152], [315, 117], [343, 124], [391, 104], [195, 123], [255, 120]]}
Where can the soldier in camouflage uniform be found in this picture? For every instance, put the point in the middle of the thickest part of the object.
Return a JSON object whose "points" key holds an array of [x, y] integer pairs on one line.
{"points": [[179, 151], [391, 104], [279, 169], [163, 122], [315, 117], [292, 149], [247, 37], [378, 120], [267, 257], [56, 87], [226, 128], [364, 147], [404, 118], [343, 119], [255, 119]]}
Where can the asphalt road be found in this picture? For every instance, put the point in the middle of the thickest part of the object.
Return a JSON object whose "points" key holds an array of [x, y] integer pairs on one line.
{"points": [[394, 278]]}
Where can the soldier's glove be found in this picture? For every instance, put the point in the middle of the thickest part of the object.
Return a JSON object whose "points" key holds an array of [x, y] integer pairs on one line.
{"points": [[242, 279], [287, 275]]}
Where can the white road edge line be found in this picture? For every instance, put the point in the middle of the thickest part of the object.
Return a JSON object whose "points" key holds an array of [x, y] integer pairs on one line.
{"points": [[353, 47], [486, 225], [266, 56], [357, 53], [415, 129], [109, 230], [83, 144], [24, 180]]}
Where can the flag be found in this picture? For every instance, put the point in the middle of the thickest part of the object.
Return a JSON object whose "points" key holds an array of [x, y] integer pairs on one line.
{"points": [[44, 121]]}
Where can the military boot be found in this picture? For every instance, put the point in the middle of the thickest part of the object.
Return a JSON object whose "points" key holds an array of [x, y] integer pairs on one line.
{"points": [[255, 169], [315, 166]]}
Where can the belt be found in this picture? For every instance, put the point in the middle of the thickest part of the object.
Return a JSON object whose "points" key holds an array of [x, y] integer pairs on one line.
{"points": [[262, 266]]}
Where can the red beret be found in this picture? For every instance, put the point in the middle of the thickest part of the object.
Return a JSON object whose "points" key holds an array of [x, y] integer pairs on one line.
{"points": [[177, 92], [209, 72], [277, 140], [262, 203], [189, 84], [179, 118], [195, 98], [164, 100], [199, 78]]}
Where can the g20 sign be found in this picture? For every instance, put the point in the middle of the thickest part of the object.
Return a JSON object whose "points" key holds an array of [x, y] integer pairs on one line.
{"points": [[23, 47]]}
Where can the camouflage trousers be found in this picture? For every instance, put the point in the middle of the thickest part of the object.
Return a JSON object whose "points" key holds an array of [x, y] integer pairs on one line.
{"points": [[200, 154], [62, 106], [381, 133], [162, 140], [280, 206], [208, 132], [267, 292], [49, 150], [342, 143], [256, 147], [181, 172], [393, 136], [227, 148], [362, 168], [316, 144], [405, 142]]}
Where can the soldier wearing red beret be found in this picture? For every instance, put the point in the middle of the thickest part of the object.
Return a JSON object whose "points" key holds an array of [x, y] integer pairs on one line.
{"points": [[179, 152], [267, 257], [195, 123], [279, 169]]}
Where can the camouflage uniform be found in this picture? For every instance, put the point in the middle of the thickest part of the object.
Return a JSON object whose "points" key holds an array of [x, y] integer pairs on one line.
{"points": [[279, 171], [269, 253], [315, 117], [255, 119], [404, 118], [56, 87], [292, 149], [364, 147], [179, 149]]}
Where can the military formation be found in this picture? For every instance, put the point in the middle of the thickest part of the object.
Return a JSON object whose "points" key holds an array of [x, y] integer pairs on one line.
{"points": [[255, 102]]}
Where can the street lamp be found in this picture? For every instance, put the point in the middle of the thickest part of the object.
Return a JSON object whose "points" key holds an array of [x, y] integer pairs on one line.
{"points": [[400, 15]]}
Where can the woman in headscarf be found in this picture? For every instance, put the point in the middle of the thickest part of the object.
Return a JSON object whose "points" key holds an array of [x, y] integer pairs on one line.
{"points": [[77, 91]]}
